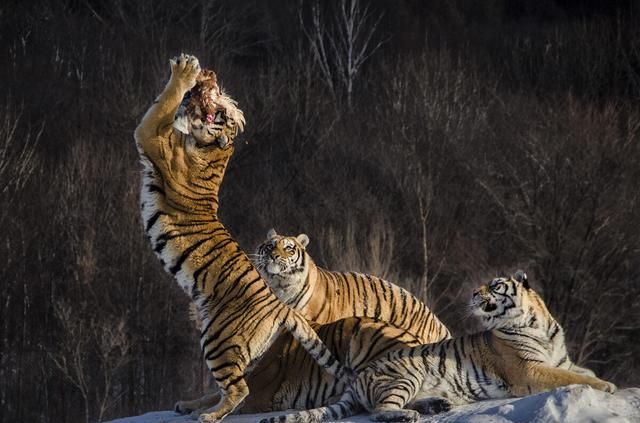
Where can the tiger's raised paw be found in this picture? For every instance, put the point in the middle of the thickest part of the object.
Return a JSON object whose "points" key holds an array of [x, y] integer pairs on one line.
{"points": [[184, 70]]}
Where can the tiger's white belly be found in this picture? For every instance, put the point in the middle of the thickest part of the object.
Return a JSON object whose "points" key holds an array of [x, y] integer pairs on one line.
{"points": [[461, 387], [151, 203]]}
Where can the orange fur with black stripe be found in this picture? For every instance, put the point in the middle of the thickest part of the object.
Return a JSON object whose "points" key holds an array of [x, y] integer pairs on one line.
{"points": [[288, 378], [325, 296], [521, 352], [183, 170]]}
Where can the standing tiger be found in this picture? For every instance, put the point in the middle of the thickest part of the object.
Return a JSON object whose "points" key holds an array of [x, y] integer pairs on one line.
{"points": [[521, 352], [182, 174], [324, 296]]}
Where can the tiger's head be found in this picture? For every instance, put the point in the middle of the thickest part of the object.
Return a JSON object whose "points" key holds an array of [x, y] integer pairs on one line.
{"points": [[210, 116], [283, 256], [508, 302]]}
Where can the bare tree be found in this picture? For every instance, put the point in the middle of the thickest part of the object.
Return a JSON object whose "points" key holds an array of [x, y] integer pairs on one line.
{"points": [[435, 107], [83, 339], [341, 46], [18, 141]]}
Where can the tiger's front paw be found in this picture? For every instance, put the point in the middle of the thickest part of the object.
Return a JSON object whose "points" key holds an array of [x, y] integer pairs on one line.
{"points": [[608, 387], [184, 71], [603, 385]]}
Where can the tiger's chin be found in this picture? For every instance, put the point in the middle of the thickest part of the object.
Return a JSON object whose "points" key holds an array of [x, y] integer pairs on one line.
{"points": [[204, 141], [274, 269]]}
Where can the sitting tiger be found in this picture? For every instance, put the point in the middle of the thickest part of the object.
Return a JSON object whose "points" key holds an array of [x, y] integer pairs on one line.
{"points": [[521, 352], [324, 296]]}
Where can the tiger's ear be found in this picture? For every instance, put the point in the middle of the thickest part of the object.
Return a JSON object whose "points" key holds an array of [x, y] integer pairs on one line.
{"points": [[303, 239], [272, 233], [521, 277]]}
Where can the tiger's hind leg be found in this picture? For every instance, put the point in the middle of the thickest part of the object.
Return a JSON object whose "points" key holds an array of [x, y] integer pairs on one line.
{"points": [[395, 416], [232, 395], [228, 370], [197, 405], [430, 405], [389, 397]]}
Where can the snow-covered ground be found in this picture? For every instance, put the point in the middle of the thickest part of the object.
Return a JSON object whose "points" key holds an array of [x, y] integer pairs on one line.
{"points": [[575, 403]]}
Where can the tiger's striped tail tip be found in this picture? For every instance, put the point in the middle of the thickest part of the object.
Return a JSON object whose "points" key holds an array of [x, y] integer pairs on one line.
{"points": [[277, 419], [289, 418]]}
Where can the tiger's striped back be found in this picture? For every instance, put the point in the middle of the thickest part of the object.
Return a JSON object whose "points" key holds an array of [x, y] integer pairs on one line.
{"points": [[522, 352], [182, 174], [325, 296]]}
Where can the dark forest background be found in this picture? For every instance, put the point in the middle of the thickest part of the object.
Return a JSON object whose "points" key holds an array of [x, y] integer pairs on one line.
{"points": [[436, 143]]}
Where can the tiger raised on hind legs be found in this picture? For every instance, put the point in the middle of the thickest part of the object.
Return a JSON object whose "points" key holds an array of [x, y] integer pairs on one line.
{"points": [[184, 165]]}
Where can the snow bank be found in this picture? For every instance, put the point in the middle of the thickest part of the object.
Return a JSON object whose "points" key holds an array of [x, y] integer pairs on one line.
{"points": [[575, 403]]}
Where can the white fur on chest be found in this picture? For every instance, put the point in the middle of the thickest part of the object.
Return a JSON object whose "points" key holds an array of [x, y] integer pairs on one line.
{"points": [[287, 287]]}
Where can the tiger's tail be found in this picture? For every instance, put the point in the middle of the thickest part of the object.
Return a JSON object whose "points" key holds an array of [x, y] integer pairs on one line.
{"points": [[346, 406]]}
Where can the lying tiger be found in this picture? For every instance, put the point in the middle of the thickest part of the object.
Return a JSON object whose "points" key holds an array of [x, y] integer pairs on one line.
{"points": [[521, 352], [324, 296]]}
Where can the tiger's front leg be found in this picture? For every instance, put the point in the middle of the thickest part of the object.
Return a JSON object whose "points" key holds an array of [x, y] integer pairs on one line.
{"points": [[581, 370], [541, 378], [156, 125]]}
